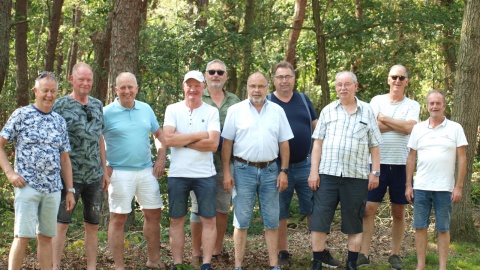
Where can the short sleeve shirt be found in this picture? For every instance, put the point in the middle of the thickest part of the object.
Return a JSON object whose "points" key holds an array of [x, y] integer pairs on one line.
{"points": [[347, 139], [39, 139], [84, 137]]}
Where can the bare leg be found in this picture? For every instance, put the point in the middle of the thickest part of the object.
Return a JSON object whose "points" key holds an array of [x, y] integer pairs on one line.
{"points": [[177, 238], [421, 246], [271, 237], [398, 227], [44, 251], [354, 242], [368, 226], [196, 231], [91, 244], [443, 243], [222, 220], [151, 231], [17, 253], [282, 234], [209, 236], [318, 241], [58, 244], [239, 240], [116, 236]]}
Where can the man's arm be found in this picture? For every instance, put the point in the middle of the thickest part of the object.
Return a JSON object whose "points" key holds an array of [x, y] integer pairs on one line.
{"points": [[373, 180], [175, 139], [314, 177], [14, 178], [314, 124], [159, 166], [103, 159], [282, 179], [410, 168], [386, 123], [461, 172], [66, 172], [205, 145], [228, 181]]}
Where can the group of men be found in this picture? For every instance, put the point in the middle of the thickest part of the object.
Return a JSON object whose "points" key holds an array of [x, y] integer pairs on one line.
{"points": [[222, 150]]}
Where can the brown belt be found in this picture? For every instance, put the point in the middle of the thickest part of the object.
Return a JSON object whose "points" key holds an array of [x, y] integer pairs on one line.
{"points": [[260, 165]]}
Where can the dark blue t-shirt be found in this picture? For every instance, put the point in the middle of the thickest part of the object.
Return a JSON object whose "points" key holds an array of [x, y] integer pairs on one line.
{"points": [[299, 120]]}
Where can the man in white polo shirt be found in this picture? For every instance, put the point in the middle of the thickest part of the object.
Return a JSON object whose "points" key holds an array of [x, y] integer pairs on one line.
{"points": [[192, 131]]}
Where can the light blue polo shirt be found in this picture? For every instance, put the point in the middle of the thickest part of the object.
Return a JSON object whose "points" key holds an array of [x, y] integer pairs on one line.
{"points": [[126, 134]]}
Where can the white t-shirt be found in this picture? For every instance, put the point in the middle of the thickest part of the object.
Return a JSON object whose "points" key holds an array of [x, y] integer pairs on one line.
{"points": [[393, 149], [186, 162], [436, 154]]}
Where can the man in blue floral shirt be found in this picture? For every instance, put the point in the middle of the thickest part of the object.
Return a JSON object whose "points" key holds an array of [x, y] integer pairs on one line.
{"points": [[41, 162]]}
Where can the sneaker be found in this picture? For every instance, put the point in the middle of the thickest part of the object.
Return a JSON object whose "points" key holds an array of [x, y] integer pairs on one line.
{"points": [[238, 268], [363, 260], [395, 262], [283, 257], [276, 268], [328, 260], [316, 265]]}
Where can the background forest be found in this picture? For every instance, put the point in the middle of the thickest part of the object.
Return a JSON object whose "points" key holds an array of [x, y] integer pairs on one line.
{"points": [[160, 40]]}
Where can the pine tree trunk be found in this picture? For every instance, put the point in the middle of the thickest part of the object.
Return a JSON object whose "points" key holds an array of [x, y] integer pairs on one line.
{"points": [[5, 16], [21, 53]]}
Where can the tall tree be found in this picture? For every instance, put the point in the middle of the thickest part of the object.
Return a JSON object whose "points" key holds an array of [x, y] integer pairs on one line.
{"points": [[465, 112], [53, 30], [72, 55], [321, 71], [298, 17], [247, 53], [21, 53], [101, 46], [448, 48], [5, 9], [200, 22], [125, 40]]}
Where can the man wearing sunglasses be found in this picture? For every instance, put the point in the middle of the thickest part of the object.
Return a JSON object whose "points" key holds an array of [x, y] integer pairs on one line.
{"points": [[84, 116], [396, 116], [41, 143], [216, 96]]}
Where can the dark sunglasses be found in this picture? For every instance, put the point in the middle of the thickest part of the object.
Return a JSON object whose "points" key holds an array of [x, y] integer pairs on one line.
{"points": [[395, 77], [88, 112], [44, 74], [212, 72]]}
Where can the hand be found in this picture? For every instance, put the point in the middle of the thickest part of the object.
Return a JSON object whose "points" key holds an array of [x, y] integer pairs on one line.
{"points": [[282, 182], [70, 201], [457, 194], [373, 181], [16, 180], [380, 117], [228, 182], [409, 193], [105, 181], [110, 171], [314, 181], [158, 168]]}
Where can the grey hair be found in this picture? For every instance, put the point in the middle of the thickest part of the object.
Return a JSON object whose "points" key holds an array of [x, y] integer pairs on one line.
{"points": [[351, 74]]}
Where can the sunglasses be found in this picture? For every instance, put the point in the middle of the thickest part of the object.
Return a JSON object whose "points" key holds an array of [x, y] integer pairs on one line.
{"points": [[44, 74], [88, 112], [395, 77], [219, 72]]}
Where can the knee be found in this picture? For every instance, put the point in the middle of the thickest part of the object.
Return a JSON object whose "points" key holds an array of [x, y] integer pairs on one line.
{"points": [[118, 220], [398, 212]]}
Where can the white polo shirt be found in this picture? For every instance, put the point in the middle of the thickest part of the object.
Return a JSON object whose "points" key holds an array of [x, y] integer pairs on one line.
{"points": [[256, 135], [186, 162], [436, 154]]}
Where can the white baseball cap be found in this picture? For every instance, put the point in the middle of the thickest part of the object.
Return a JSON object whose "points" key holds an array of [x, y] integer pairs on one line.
{"points": [[194, 74]]}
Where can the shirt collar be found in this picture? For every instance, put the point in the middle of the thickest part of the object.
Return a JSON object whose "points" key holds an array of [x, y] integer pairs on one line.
{"points": [[118, 105], [359, 107], [443, 124]]}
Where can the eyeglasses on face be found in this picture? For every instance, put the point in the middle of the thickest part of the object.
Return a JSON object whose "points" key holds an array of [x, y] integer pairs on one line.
{"points": [[255, 86], [88, 112], [44, 74], [286, 77], [211, 72], [395, 77]]}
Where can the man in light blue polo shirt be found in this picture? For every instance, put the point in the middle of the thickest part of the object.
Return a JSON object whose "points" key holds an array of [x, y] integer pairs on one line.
{"points": [[128, 124]]}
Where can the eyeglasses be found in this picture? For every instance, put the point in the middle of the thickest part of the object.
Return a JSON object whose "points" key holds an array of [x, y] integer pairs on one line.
{"points": [[286, 77], [346, 85], [88, 112], [395, 77], [219, 72], [44, 74], [254, 86]]}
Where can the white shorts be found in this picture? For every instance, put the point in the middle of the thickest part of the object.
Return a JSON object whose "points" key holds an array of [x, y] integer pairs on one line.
{"points": [[126, 184]]}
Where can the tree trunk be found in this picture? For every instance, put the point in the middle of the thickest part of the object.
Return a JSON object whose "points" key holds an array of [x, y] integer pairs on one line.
{"points": [[466, 103], [21, 53], [52, 39], [125, 40], [247, 54], [72, 58], [101, 46], [449, 53], [297, 24], [321, 77], [5, 16], [59, 56]]}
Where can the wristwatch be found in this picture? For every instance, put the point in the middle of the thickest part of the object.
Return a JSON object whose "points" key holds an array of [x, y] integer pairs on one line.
{"points": [[72, 190], [284, 170], [376, 173]]}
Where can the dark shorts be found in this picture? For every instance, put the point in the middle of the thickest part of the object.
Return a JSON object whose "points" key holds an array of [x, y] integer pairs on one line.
{"points": [[394, 177], [351, 192], [179, 190], [92, 198]]}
